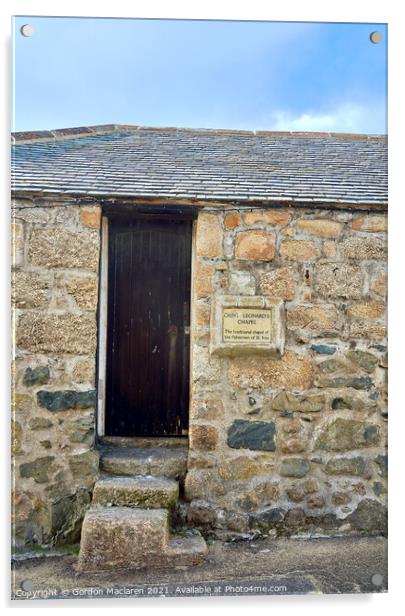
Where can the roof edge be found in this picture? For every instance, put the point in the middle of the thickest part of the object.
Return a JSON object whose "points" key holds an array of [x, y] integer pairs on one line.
{"points": [[215, 202], [21, 137]]}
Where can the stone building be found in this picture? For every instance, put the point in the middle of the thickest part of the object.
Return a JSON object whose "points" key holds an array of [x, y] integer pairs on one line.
{"points": [[206, 307]]}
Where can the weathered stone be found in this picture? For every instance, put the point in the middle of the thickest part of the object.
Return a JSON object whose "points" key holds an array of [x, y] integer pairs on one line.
{"points": [[203, 281], [366, 361], [310, 486], [295, 493], [292, 426], [306, 403], [68, 399], [294, 467], [237, 522], [265, 520], [38, 469], [364, 248], [46, 444], [16, 437], [292, 445], [367, 329], [65, 249], [197, 460], [144, 492], [134, 538], [255, 245], [335, 364], [323, 349], [382, 462], [379, 347], [81, 430], [292, 371], [315, 502], [279, 282], [203, 484], [168, 462], [258, 435], [239, 468], [268, 217], [22, 403], [84, 371], [57, 333], [346, 434], [30, 518], [317, 320], [36, 376], [346, 466], [206, 368], [263, 492], [341, 498], [357, 382], [209, 236], [201, 513], [366, 310], [90, 217], [31, 289], [40, 423], [336, 280], [232, 220], [67, 514], [359, 488], [242, 283], [383, 361], [203, 438], [202, 314], [299, 250], [347, 400], [373, 223], [369, 516], [84, 467], [295, 518], [207, 409], [329, 249], [380, 284], [321, 227], [17, 243], [84, 290]]}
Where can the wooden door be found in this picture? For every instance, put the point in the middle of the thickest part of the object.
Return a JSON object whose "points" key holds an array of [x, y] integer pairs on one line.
{"points": [[149, 277]]}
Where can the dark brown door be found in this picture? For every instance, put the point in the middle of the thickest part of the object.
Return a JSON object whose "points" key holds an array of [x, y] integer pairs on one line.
{"points": [[149, 277]]}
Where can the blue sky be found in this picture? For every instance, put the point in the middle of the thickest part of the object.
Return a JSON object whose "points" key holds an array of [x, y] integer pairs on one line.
{"points": [[208, 74]]}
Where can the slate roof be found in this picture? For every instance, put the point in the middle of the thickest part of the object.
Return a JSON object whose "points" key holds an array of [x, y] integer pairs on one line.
{"points": [[202, 164]]}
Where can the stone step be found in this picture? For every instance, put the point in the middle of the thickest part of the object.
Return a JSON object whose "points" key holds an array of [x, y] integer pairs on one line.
{"points": [[123, 537], [187, 551], [144, 442], [159, 462], [136, 491]]}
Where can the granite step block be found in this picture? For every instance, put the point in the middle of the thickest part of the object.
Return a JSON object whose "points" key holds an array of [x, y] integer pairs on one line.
{"points": [[138, 491], [159, 462]]}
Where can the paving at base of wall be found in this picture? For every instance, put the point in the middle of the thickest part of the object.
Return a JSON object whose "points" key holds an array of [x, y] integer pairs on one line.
{"points": [[334, 565]]}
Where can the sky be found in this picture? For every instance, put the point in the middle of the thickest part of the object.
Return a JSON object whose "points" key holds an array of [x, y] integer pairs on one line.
{"points": [[201, 74]]}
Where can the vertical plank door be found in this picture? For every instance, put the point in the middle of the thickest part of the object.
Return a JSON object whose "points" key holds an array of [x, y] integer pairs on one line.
{"points": [[149, 278]]}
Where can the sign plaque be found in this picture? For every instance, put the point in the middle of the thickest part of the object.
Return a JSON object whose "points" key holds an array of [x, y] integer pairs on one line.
{"points": [[247, 325]]}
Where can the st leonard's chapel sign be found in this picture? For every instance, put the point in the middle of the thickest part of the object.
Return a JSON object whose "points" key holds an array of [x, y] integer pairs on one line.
{"points": [[252, 324]]}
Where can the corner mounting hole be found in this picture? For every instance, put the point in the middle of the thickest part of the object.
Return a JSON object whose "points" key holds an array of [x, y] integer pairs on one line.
{"points": [[376, 37], [27, 30]]}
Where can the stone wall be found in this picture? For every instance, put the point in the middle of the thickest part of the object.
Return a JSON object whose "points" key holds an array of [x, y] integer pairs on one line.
{"points": [[297, 442], [55, 291], [286, 443]]}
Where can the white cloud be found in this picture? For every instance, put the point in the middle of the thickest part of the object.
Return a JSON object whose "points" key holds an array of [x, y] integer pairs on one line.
{"points": [[350, 118]]}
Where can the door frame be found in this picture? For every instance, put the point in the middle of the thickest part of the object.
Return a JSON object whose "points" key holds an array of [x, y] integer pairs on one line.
{"points": [[101, 370]]}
